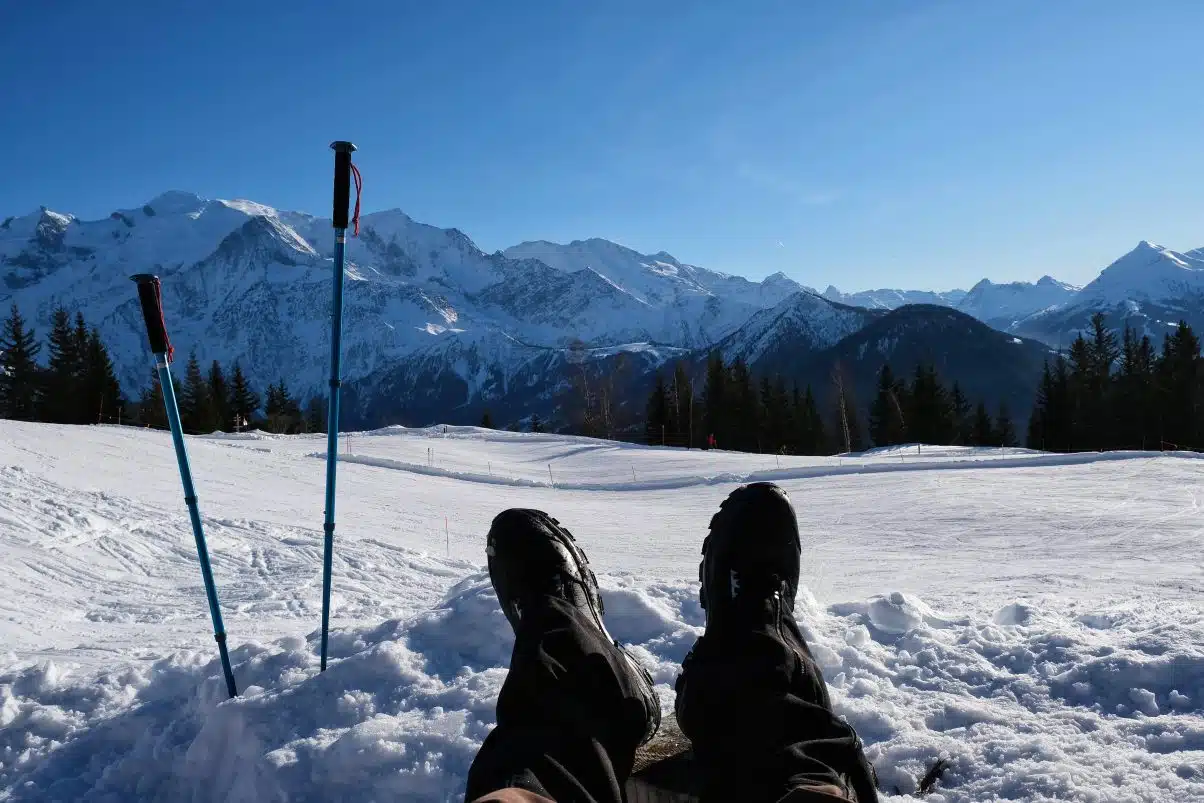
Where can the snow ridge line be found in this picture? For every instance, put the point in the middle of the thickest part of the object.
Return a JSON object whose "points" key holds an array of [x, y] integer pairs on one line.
{"points": [[771, 475]]}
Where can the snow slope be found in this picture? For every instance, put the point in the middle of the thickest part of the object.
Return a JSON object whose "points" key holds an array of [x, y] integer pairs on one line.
{"points": [[1035, 619]]}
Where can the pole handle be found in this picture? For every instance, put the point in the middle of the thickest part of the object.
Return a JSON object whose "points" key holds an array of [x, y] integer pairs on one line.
{"points": [[342, 181], [151, 298]]}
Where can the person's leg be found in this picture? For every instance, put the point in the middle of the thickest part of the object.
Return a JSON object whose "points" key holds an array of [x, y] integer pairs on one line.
{"points": [[575, 705], [750, 697]]}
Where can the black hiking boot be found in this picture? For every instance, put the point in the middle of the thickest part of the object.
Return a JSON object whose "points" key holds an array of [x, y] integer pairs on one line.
{"points": [[750, 561], [750, 694], [532, 557]]}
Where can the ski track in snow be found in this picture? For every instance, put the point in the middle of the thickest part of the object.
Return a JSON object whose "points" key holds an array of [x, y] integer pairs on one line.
{"points": [[1034, 619]]}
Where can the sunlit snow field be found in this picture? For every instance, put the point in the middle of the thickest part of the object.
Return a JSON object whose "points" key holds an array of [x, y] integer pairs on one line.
{"points": [[1035, 619]]}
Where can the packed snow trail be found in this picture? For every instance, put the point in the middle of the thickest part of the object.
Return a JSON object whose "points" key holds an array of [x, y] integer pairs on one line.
{"points": [[1035, 620]]}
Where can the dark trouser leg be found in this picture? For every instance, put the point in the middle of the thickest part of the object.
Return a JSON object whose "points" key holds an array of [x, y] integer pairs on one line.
{"points": [[568, 717], [756, 708]]}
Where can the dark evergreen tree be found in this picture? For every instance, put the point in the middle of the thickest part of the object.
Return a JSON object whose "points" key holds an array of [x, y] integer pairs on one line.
{"points": [[196, 408], [486, 420], [715, 402], [811, 435], [961, 423], [315, 419], [151, 412], [886, 424], [244, 402], [20, 376], [536, 423], [1133, 397], [62, 404], [982, 430], [99, 390], [283, 412], [219, 398], [1179, 379], [657, 413], [1005, 431], [930, 418], [744, 409]]}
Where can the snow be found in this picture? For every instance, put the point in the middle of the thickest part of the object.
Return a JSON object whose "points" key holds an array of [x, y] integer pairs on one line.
{"points": [[893, 298], [1148, 273], [1032, 618], [1004, 304]]}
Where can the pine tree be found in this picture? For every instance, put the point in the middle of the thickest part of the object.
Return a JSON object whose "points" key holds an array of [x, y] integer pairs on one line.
{"points": [[1133, 398], [982, 431], [886, 425], [812, 435], [196, 408], [1005, 432], [151, 412], [486, 420], [62, 375], [536, 423], [961, 424], [657, 413], [20, 376], [930, 417], [744, 409], [219, 398], [244, 402], [316, 419], [1039, 420], [1179, 376], [283, 412], [715, 402], [100, 392]]}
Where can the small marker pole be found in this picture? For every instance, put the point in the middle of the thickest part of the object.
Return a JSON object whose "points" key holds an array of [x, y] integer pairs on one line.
{"points": [[342, 199], [150, 296]]}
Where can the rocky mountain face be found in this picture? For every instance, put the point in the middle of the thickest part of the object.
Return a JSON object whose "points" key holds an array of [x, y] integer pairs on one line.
{"points": [[434, 328], [437, 330], [892, 298], [1151, 289]]}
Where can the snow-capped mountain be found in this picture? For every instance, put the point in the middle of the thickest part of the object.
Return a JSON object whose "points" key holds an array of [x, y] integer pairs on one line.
{"points": [[892, 299], [430, 319], [1151, 289], [792, 330], [662, 282], [1001, 305]]}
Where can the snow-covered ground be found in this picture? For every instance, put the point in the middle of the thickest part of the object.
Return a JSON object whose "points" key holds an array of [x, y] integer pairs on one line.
{"points": [[1035, 619]]}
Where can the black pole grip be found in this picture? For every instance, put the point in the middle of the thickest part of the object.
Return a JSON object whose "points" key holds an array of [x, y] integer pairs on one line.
{"points": [[152, 311], [342, 181]]}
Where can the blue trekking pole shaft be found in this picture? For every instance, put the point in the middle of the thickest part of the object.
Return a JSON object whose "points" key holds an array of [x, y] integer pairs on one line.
{"points": [[342, 200], [152, 310]]}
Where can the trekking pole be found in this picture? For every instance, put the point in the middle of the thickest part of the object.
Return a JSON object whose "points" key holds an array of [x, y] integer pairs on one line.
{"points": [[150, 294], [343, 170]]}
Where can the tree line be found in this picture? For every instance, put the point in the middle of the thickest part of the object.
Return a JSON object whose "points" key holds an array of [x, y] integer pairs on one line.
{"points": [[1121, 393], [734, 411], [737, 411], [78, 385]]}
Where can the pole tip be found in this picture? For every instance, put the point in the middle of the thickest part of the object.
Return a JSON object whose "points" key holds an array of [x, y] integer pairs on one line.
{"points": [[342, 146], [143, 278]]}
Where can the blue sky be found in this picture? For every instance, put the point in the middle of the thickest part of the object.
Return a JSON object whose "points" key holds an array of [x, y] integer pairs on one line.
{"points": [[866, 144]]}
